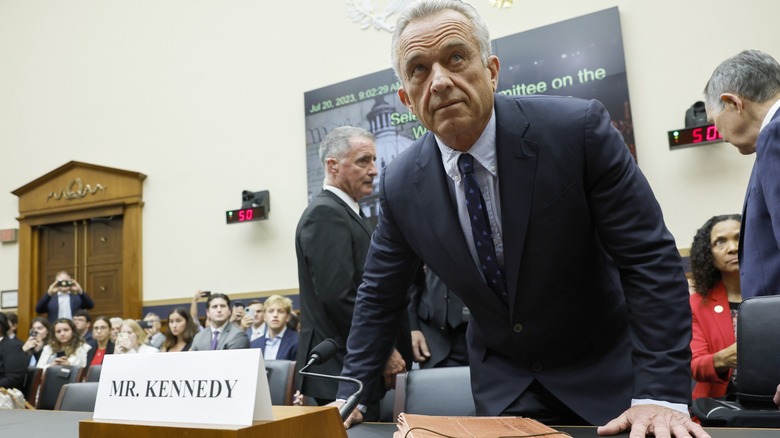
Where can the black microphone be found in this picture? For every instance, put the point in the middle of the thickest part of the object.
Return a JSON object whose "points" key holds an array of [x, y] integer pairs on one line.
{"points": [[323, 352]]}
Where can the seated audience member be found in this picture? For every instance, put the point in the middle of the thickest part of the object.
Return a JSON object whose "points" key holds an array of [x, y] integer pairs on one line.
{"points": [[13, 323], [155, 338], [181, 331], [83, 322], [294, 323], [715, 267], [101, 341], [65, 348], [116, 324], [237, 313], [132, 339], [13, 361], [220, 334], [257, 328], [40, 335], [63, 298], [279, 341]]}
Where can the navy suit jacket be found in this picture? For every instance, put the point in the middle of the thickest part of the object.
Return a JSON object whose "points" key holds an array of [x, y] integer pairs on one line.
{"points": [[584, 243], [288, 349], [50, 304], [759, 239]]}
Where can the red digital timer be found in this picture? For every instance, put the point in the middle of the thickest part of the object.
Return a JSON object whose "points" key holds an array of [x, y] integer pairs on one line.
{"points": [[694, 136], [245, 215]]}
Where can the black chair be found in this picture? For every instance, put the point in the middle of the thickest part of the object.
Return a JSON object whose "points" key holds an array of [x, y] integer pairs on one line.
{"points": [[54, 377], [281, 375], [758, 371], [32, 381], [77, 397], [93, 373], [436, 391]]}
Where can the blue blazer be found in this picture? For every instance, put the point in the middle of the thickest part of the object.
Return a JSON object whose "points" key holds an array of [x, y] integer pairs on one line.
{"points": [[584, 243], [288, 349], [50, 304], [759, 239]]}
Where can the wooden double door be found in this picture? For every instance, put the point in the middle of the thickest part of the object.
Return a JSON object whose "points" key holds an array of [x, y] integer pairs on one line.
{"points": [[91, 251]]}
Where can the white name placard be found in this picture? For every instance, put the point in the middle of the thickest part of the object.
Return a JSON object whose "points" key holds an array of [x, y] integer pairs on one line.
{"points": [[206, 387]]}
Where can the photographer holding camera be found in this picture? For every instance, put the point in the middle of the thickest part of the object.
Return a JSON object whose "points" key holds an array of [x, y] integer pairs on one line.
{"points": [[65, 296]]}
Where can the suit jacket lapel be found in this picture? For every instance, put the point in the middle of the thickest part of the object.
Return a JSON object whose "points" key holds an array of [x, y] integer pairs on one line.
{"points": [[517, 159], [362, 222]]}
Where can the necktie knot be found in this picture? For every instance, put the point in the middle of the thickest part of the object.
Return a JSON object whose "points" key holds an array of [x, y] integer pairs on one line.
{"points": [[466, 164]]}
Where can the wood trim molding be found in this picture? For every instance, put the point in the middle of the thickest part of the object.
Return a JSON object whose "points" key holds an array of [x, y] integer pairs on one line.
{"points": [[69, 193]]}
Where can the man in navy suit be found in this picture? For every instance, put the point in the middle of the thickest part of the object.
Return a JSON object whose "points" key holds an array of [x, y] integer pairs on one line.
{"points": [[585, 319], [278, 342], [743, 99], [63, 298]]}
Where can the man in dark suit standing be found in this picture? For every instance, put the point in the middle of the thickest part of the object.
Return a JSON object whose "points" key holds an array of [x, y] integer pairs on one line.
{"points": [[533, 211], [64, 297], [438, 320], [743, 99], [331, 243]]}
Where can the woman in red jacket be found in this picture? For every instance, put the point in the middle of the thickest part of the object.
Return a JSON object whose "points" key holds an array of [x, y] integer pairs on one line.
{"points": [[715, 305]]}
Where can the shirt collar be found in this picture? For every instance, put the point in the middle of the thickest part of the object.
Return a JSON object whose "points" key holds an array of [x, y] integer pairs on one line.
{"points": [[281, 333], [483, 150], [770, 114], [344, 197]]}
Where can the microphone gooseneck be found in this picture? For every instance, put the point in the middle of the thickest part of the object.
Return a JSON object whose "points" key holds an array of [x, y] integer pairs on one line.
{"points": [[323, 352]]}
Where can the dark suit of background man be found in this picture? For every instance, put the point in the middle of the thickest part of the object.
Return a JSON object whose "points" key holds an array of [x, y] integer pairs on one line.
{"points": [[331, 242], [438, 320], [587, 309], [743, 99], [64, 290], [13, 361]]}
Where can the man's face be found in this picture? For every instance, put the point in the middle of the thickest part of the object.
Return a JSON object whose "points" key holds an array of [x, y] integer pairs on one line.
{"points": [[258, 319], [82, 325], [238, 313], [445, 83], [218, 312], [276, 316], [354, 173], [735, 127]]}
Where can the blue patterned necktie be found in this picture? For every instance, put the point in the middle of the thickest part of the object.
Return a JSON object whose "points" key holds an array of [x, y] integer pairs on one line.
{"points": [[214, 340], [480, 227]]}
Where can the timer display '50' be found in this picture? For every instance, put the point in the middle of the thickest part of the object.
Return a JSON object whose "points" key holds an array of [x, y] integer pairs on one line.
{"points": [[245, 215], [694, 136]]}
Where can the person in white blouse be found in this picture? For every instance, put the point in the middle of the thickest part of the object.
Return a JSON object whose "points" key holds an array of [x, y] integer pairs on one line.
{"points": [[65, 348], [132, 339]]}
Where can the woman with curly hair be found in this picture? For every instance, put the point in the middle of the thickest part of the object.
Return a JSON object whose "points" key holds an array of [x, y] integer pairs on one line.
{"points": [[65, 348], [715, 266]]}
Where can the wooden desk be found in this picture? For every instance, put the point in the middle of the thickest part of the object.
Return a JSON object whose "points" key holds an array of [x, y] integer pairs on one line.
{"points": [[16, 423]]}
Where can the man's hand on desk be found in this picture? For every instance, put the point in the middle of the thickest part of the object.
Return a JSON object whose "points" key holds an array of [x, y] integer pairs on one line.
{"points": [[653, 419], [355, 417]]}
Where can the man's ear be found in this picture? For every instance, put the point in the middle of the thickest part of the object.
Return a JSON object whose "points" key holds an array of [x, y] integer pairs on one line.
{"points": [[733, 99], [405, 99]]}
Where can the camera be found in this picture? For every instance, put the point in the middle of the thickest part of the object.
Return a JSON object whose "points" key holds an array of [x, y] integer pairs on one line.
{"points": [[145, 324], [205, 294], [33, 333], [64, 283]]}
